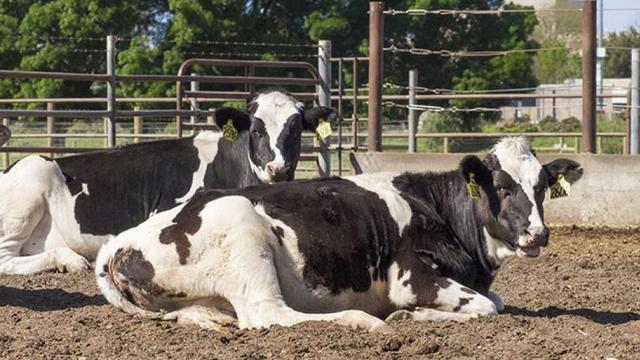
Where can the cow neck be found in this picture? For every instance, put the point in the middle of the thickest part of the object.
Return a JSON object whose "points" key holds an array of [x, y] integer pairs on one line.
{"points": [[231, 167], [447, 194]]}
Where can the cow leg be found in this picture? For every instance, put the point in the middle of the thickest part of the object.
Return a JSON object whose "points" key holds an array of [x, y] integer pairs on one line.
{"points": [[25, 221], [446, 299], [202, 316], [250, 281], [426, 314]]}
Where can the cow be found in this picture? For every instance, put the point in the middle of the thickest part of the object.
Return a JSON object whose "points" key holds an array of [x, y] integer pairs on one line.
{"points": [[55, 214], [353, 250]]}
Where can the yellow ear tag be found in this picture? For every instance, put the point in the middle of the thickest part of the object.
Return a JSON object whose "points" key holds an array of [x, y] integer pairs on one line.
{"points": [[323, 130], [473, 188], [229, 132], [560, 189]]}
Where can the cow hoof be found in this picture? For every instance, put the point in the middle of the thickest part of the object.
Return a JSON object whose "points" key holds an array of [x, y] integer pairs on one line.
{"points": [[69, 261], [399, 315], [382, 328]]}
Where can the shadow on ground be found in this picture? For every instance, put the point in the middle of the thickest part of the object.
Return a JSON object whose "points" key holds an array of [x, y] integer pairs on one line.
{"points": [[601, 317], [47, 299]]}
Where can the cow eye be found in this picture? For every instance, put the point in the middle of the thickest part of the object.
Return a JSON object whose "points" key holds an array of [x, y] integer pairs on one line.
{"points": [[504, 192]]}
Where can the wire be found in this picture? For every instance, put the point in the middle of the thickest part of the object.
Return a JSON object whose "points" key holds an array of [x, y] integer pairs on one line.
{"points": [[440, 108], [280, 55], [483, 53], [489, 91], [238, 43], [452, 91], [422, 12]]}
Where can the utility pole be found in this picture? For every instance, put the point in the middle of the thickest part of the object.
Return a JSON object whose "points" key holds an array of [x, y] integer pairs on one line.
{"points": [[601, 54], [634, 141], [374, 113], [589, 76]]}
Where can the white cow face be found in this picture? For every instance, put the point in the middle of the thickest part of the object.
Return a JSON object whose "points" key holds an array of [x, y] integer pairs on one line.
{"points": [[275, 123], [513, 185]]}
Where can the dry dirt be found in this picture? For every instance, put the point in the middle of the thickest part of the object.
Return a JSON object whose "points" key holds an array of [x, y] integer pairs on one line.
{"points": [[581, 300]]}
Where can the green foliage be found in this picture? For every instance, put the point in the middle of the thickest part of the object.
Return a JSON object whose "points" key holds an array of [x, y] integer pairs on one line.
{"points": [[617, 64], [450, 122], [158, 35], [570, 124], [554, 66]]}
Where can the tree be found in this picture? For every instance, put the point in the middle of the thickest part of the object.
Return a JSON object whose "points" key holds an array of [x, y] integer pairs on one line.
{"points": [[158, 35], [555, 66], [617, 64], [66, 35]]}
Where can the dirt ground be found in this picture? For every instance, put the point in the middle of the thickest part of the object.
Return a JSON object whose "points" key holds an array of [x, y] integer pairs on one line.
{"points": [[581, 299]]}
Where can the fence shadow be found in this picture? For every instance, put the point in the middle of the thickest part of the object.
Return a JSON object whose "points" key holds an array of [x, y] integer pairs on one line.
{"points": [[598, 316], [47, 299]]}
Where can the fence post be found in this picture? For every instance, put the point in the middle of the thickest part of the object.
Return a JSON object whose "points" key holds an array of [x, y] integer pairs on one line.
{"points": [[210, 117], [137, 126], [324, 99], [111, 90], [413, 79], [374, 113], [7, 156], [589, 77], [354, 111], [634, 141], [51, 124], [340, 79], [553, 104], [195, 86]]}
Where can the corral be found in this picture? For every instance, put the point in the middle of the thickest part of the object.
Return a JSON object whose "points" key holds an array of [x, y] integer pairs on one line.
{"points": [[579, 300]]}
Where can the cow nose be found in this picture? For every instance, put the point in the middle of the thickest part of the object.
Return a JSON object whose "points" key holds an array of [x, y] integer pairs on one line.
{"points": [[540, 236], [273, 168]]}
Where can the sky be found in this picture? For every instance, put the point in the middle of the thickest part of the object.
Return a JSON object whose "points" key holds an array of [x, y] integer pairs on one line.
{"points": [[621, 20]]}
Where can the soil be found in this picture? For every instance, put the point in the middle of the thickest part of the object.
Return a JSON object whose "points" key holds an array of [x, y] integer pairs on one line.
{"points": [[581, 299]]}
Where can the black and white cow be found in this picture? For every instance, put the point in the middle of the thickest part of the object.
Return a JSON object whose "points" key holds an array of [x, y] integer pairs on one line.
{"points": [[353, 250], [56, 213]]}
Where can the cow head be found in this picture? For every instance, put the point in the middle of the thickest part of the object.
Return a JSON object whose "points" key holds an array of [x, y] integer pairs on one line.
{"points": [[275, 121], [512, 185], [5, 134]]}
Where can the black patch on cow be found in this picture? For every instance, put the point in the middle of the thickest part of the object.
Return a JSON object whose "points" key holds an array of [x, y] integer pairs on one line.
{"points": [[278, 232], [340, 248], [135, 279], [5, 171], [184, 223], [46, 158], [444, 231], [74, 186], [462, 302], [128, 183], [467, 290], [231, 167]]}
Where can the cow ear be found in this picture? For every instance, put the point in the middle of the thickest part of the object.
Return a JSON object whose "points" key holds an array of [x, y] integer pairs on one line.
{"points": [[5, 134], [570, 169], [241, 121], [470, 164], [477, 176], [311, 118]]}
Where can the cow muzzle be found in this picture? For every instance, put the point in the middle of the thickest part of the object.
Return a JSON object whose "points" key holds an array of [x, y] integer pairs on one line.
{"points": [[278, 171], [530, 241]]}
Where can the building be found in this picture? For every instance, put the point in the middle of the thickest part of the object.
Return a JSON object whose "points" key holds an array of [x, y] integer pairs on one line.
{"points": [[562, 107]]}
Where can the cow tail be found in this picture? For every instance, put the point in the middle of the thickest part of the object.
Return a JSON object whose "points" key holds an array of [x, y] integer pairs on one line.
{"points": [[114, 290]]}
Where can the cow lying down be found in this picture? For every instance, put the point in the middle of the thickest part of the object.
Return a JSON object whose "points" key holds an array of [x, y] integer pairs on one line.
{"points": [[55, 214], [356, 250]]}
